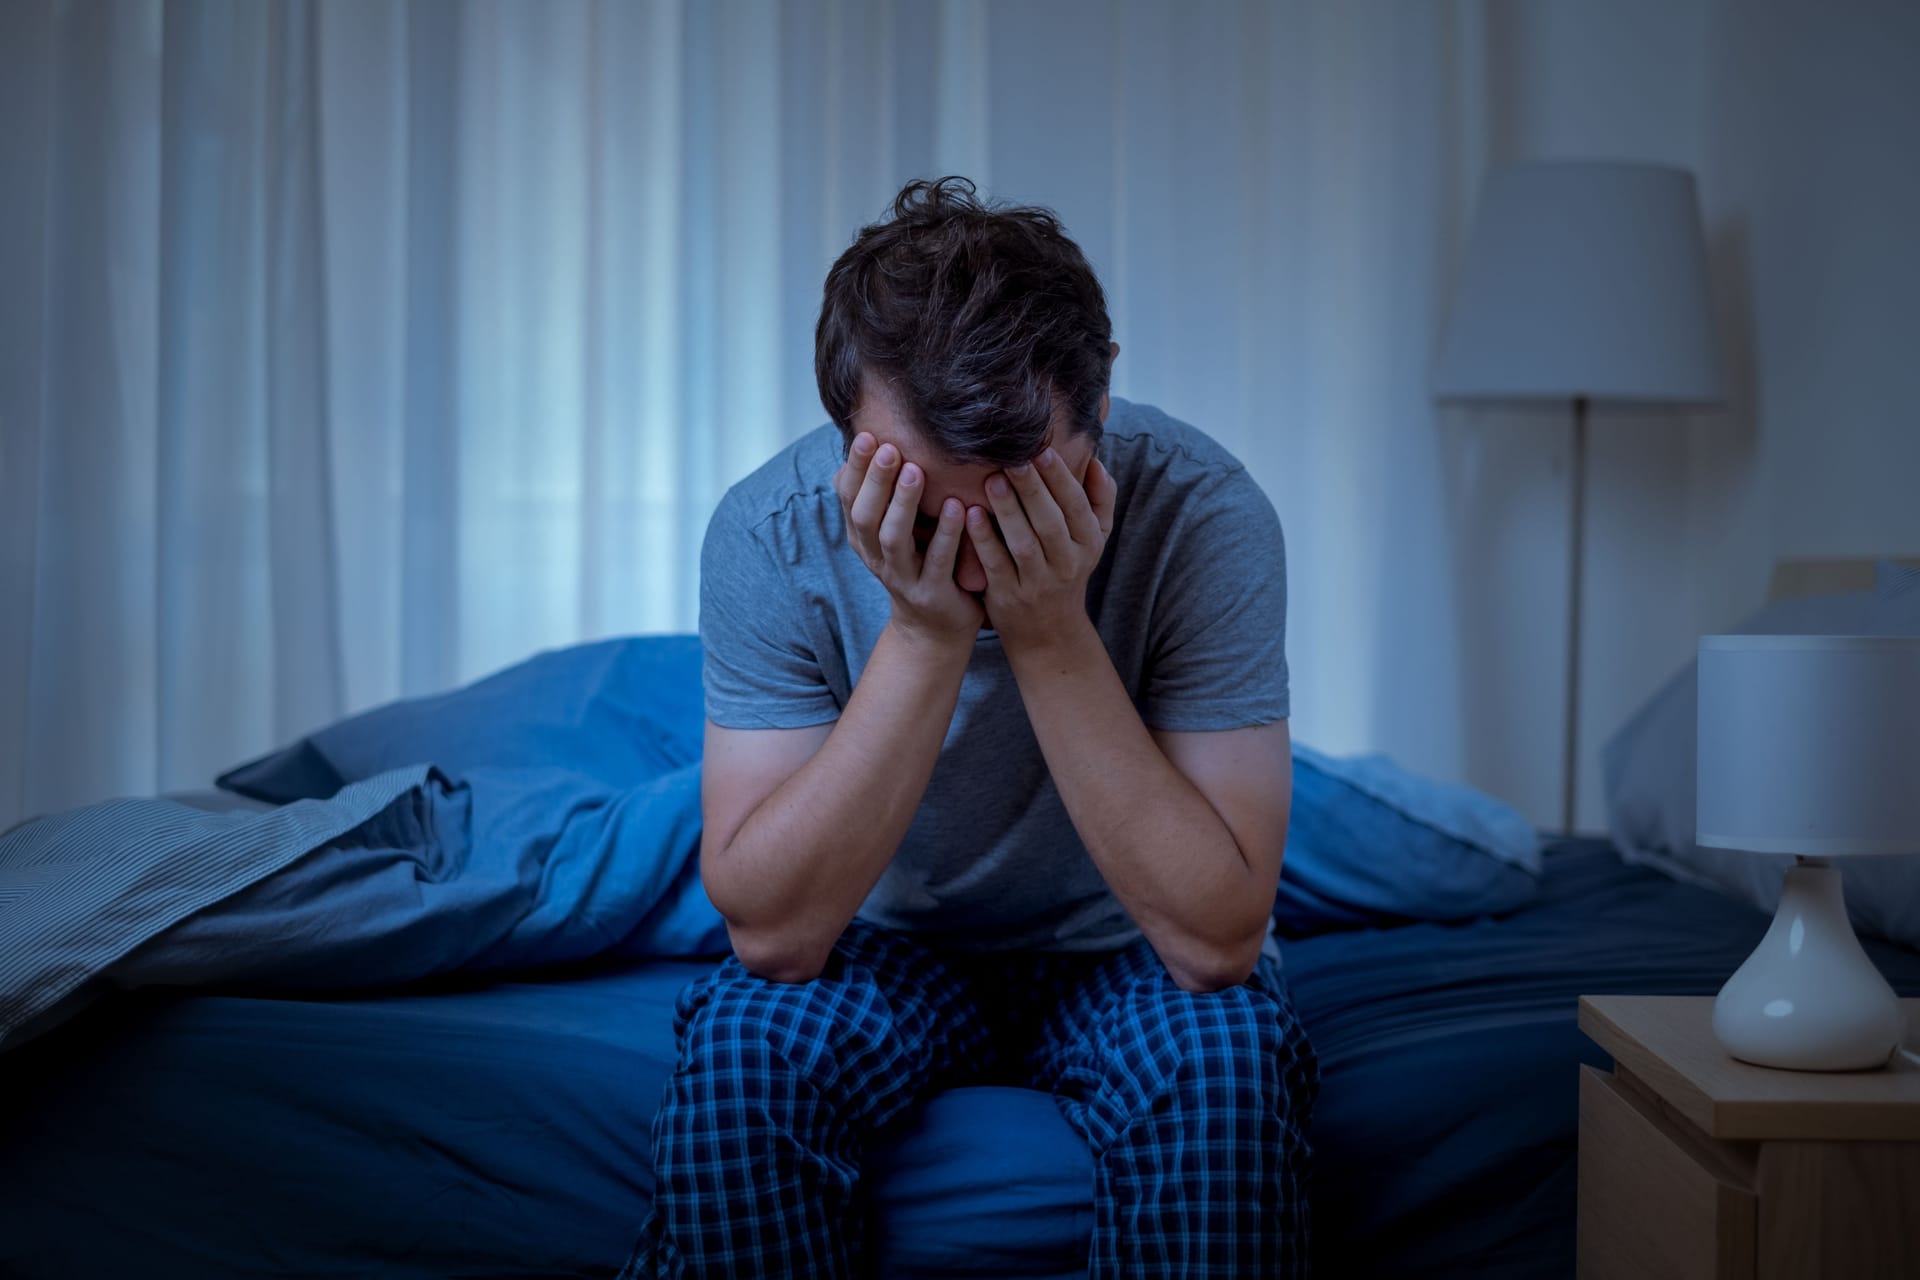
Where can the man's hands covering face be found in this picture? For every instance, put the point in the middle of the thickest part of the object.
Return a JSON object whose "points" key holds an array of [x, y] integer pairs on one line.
{"points": [[1052, 533], [880, 497]]}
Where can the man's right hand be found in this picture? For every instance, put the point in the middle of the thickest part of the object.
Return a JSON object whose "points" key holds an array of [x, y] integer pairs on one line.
{"points": [[800, 825], [880, 496]]}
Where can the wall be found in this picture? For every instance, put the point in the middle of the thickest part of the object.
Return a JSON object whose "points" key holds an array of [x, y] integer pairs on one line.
{"points": [[561, 264], [1801, 122]]}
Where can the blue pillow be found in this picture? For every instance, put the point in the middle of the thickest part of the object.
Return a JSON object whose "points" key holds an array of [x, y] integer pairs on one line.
{"points": [[1369, 844], [621, 711]]}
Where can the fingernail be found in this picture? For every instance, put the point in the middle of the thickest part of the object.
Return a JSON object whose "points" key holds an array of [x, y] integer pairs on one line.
{"points": [[1048, 457], [997, 487], [863, 443], [951, 508], [1020, 470], [909, 476], [977, 514], [886, 455]]}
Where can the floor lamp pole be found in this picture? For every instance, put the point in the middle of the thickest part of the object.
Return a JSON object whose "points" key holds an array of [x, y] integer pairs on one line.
{"points": [[1570, 755]]}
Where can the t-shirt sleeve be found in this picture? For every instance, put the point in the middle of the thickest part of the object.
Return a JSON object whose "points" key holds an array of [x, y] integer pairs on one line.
{"points": [[758, 667], [1217, 655]]}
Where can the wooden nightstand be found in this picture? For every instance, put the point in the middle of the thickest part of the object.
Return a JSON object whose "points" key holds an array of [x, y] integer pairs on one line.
{"points": [[1693, 1164]]}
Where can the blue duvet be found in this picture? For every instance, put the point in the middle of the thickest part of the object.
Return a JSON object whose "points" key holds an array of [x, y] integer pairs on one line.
{"points": [[546, 814], [403, 876]]}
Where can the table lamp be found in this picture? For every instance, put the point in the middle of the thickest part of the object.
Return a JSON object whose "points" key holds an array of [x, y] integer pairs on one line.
{"points": [[1810, 745], [1583, 281]]}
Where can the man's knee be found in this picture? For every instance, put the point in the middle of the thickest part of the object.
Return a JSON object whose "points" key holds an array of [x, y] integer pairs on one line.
{"points": [[739, 1028], [883, 1012], [1241, 1042], [1234, 1024]]}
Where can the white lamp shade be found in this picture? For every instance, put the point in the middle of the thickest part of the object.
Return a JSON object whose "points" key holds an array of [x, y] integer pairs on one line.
{"points": [[1810, 745], [1584, 279]]}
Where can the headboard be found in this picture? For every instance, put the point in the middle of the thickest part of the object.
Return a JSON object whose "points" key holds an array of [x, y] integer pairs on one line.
{"points": [[1794, 578]]}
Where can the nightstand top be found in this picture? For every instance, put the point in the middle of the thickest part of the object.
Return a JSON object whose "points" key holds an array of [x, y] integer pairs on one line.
{"points": [[1667, 1044]]}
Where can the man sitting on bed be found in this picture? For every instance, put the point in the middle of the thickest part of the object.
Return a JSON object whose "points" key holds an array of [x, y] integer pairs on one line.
{"points": [[996, 781]]}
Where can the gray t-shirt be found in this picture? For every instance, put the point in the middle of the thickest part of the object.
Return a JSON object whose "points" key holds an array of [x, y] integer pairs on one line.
{"points": [[1190, 598]]}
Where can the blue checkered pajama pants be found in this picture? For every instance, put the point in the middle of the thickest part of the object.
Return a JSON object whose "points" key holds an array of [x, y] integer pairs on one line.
{"points": [[1194, 1105]]}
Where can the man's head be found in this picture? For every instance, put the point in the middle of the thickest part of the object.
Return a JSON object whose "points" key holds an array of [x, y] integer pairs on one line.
{"points": [[970, 336]]}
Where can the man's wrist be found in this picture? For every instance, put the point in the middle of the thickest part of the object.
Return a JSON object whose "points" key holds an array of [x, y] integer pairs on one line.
{"points": [[1062, 649], [931, 645]]}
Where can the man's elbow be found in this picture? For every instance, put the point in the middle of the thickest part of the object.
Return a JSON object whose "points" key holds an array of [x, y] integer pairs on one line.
{"points": [[1216, 968], [763, 937], [777, 957]]}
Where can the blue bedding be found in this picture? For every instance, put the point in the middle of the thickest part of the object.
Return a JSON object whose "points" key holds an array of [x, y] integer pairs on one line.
{"points": [[551, 813], [483, 1127], [405, 875]]}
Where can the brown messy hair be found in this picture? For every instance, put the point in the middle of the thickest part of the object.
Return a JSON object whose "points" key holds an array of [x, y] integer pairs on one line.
{"points": [[979, 317]]}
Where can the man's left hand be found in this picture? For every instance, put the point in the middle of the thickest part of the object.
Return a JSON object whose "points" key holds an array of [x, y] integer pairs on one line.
{"points": [[1053, 530]]}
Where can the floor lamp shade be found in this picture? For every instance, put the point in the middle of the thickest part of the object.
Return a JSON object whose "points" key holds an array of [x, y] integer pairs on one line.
{"points": [[1809, 745], [1587, 279], [1583, 281]]}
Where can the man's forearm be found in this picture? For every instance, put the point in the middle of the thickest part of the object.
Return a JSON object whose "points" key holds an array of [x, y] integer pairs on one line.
{"points": [[1163, 849], [807, 857]]}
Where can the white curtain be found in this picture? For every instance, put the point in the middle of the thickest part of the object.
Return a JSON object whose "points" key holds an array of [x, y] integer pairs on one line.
{"points": [[350, 350]]}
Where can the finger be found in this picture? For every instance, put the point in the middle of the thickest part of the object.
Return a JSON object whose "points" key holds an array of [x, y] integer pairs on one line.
{"points": [[846, 481], [1044, 516], [896, 529], [1071, 496], [1103, 495], [1015, 531], [987, 545], [870, 504], [944, 547]]}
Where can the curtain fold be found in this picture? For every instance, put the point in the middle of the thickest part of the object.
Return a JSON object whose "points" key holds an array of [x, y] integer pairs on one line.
{"points": [[356, 349]]}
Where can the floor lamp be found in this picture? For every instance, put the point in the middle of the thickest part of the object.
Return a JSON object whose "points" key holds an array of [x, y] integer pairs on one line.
{"points": [[1584, 282]]}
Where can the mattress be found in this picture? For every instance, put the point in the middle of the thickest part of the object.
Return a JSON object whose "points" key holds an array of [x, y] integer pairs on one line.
{"points": [[500, 1128]]}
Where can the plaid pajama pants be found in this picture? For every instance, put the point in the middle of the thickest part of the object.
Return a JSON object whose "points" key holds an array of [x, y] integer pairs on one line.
{"points": [[1194, 1105]]}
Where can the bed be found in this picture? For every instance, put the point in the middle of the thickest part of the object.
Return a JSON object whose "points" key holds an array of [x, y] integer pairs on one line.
{"points": [[498, 1128], [476, 1125]]}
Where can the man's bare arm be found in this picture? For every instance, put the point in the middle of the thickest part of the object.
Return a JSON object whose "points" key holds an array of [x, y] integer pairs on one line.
{"points": [[1187, 829], [1191, 849], [800, 823], [789, 866]]}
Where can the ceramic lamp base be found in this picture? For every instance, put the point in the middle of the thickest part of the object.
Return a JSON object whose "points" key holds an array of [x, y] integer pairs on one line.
{"points": [[1808, 998]]}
